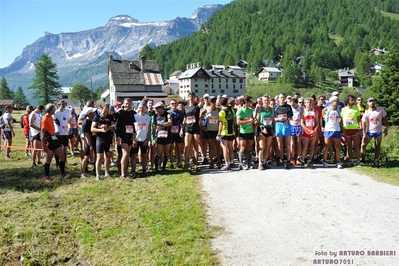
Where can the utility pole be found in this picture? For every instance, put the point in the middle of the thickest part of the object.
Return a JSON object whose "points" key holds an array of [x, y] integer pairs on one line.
{"points": [[91, 85]]}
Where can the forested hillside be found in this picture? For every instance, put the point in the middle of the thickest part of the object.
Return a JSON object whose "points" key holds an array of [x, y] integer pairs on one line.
{"points": [[329, 34]]}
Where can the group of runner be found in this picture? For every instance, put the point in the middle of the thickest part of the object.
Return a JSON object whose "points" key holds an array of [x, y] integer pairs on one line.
{"points": [[283, 130]]}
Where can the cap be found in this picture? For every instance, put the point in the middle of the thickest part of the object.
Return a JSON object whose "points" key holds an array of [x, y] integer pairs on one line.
{"points": [[90, 110], [333, 98], [205, 95], [212, 98], [335, 93], [371, 99], [159, 104], [142, 104], [112, 108], [8, 106], [118, 102]]}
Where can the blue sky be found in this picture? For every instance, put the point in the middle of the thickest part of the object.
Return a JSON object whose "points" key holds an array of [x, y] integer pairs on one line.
{"points": [[22, 22]]}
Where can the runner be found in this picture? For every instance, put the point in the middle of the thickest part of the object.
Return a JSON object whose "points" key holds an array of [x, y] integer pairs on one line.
{"points": [[372, 122], [34, 128], [310, 124], [265, 119], [161, 128], [73, 130], [332, 130], [176, 134], [283, 114], [125, 133], [296, 136], [103, 127], [62, 119], [350, 124], [8, 131], [192, 129], [50, 144], [245, 121], [210, 131], [26, 129], [142, 127], [88, 138], [226, 132]]}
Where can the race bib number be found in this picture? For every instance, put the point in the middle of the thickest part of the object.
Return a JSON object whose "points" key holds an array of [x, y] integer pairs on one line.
{"points": [[141, 125], [267, 121], [282, 116], [309, 122], [349, 121], [374, 122], [190, 119], [295, 122], [334, 118], [213, 120], [129, 129], [162, 134], [174, 129], [64, 129]]}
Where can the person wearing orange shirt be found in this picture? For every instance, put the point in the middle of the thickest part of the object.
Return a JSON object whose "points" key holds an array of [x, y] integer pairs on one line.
{"points": [[50, 142], [26, 128]]}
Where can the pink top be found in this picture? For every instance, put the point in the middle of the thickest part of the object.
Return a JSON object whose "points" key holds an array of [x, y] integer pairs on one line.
{"points": [[374, 119]]}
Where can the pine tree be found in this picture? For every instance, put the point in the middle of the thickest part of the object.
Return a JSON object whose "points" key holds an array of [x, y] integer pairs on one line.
{"points": [[20, 97], [386, 90], [5, 92], [80, 93], [46, 80]]}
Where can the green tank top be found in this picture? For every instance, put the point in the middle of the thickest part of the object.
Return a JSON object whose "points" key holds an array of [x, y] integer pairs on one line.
{"points": [[266, 117]]}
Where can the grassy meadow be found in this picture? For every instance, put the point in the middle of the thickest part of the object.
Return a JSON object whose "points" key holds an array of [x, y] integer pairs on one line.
{"points": [[158, 220]]}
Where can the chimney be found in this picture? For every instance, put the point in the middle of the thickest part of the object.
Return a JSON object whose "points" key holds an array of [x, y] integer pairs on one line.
{"points": [[186, 66], [111, 57], [143, 64]]}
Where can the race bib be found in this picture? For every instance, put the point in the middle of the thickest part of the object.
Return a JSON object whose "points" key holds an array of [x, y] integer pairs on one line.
{"points": [[190, 119], [267, 121], [349, 121], [141, 125], [282, 116], [334, 118], [295, 122], [309, 122], [174, 129], [213, 120], [129, 129], [54, 138], [64, 129], [162, 134], [374, 121]]}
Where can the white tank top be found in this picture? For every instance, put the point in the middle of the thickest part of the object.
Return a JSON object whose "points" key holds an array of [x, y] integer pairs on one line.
{"points": [[332, 120], [296, 116], [36, 122]]}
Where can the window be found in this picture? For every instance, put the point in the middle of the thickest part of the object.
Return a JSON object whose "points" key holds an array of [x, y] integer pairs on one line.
{"points": [[195, 79], [241, 80], [206, 85], [234, 86], [227, 80], [212, 86], [220, 80], [235, 91], [220, 86], [234, 80], [240, 86], [222, 91], [196, 85], [212, 80], [64, 96], [213, 91], [227, 86], [196, 91]]}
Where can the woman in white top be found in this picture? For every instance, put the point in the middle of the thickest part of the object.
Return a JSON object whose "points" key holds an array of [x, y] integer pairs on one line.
{"points": [[34, 130]]}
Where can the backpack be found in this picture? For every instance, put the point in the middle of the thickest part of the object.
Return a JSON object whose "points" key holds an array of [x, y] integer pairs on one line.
{"points": [[22, 120]]}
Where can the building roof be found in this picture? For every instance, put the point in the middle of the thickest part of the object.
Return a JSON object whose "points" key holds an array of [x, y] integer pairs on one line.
{"points": [[6, 102], [130, 72], [218, 67], [346, 73], [270, 69], [176, 74], [189, 73], [226, 74], [141, 94]]}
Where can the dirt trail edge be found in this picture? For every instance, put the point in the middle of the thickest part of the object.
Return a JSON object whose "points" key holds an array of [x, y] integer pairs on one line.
{"points": [[302, 217]]}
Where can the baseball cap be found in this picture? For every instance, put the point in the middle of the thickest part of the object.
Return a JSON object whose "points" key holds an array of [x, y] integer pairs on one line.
{"points": [[8, 106], [142, 104], [112, 108], [371, 99], [159, 104], [333, 98], [205, 95], [212, 98], [90, 110], [335, 93], [118, 102]]}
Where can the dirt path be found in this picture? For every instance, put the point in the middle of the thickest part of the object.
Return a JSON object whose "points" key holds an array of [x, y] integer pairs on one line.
{"points": [[302, 216]]}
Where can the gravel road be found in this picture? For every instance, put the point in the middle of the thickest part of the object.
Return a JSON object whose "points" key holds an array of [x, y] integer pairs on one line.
{"points": [[302, 217]]}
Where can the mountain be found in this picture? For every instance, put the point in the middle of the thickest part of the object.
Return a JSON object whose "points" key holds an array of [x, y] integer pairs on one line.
{"points": [[81, 56], [324, 35]]}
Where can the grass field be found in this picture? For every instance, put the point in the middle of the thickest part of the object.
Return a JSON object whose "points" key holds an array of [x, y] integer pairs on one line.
{"points": [[158, 220]]}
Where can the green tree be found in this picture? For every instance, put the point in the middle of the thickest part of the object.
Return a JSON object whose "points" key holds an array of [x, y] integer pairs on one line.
{"points": [[5, 92], [45, 82], [386, 90], [20, 97], [80, 94], [147, 52]]}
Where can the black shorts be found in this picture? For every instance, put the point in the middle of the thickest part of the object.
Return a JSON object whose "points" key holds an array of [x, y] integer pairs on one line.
{"points": [[248, 136], [102, 146], [87, 147], [209, 134], [7, 134], [164, 141], [175, 138], [140, 145], [127, 138], [63, 139], [119, 149], [193, 130], [229, 138], [37, 137], [267, 131], [52, 144], [27, 136]]}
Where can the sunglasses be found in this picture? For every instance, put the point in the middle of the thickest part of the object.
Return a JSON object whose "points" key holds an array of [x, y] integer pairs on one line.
{"points": [[300, 102], [173, 103]]}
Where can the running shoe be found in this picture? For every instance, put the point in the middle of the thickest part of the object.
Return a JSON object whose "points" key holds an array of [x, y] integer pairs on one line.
{"points": [[34, 165], [240, 167], [245, 167], [134, 174], [293, 162], [359, 164], [113, 163], [47, 179], [212, 166], [376, 163], [172, 166], [339, 166], [350, 163], [97, 177], [310, 164], [107, 175], [261, 167], [325, 164], [224, 168], [205, 161], [83, 175], [279, 162], [288, 165], [196, 168]]}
